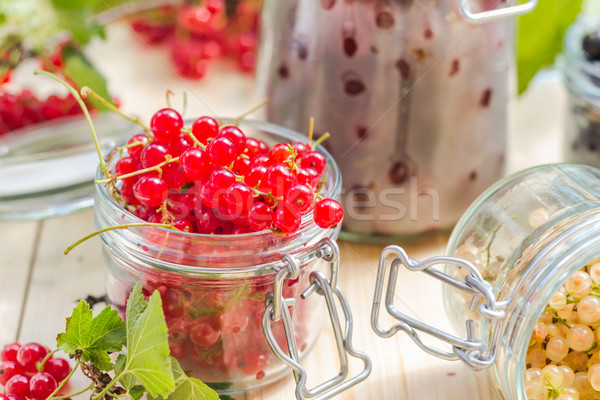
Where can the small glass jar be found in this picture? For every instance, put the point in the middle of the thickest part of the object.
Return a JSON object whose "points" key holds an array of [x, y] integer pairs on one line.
{"points": [[511, 251], [217, 290], [582, 80], [413, 92]]}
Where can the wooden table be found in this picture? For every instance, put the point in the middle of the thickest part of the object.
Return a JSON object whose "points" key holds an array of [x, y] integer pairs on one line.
{"points": [[39, 285]]}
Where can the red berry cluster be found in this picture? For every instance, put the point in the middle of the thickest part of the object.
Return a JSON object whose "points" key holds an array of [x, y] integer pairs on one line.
{"points": [[20, 374], [212, 179], [200, 33], [23, 109]]}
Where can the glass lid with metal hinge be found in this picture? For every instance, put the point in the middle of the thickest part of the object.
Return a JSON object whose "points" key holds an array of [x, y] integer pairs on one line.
{"points": [[521, 285]]}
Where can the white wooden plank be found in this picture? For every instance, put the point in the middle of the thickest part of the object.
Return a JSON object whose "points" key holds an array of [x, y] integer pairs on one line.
{"points": [[17, 251]]}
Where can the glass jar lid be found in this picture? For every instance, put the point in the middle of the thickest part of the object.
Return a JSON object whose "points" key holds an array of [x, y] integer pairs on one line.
{"points": [[48, 169]]}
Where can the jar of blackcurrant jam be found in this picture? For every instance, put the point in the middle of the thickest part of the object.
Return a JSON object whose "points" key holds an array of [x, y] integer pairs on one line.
{"points": [[242, 310], [520, 285], [580, 65], [415, 94]]}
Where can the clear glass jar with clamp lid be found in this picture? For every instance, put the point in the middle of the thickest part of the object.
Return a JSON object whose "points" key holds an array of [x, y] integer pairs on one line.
{"points": [[512, 250]]}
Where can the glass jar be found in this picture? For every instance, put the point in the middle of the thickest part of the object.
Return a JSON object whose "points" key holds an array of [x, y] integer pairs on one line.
{"points": [[222, 294], [414, 94], [582, 80], [512, 250]]}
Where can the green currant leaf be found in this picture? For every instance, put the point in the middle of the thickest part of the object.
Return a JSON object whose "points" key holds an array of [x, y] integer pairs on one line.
{"points": [[137, 392], [187, 388], [93, 336], [79, 70], [148, 358], [539, 42]]}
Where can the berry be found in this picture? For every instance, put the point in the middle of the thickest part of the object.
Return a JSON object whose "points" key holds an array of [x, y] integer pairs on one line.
{"points": [[222, 151], [195, 164], [260, 217], [153, 154], [314, 159], [30, 354], [256, 175], [236, 136], [9, 352], [8, 369], [238, 198], [18, 384], [205, 129], [150, 190], [328, 213], [279, 179], [181, 143], [11, 397], [57, 367], [41, 386], [286, 221], [221, 179], [279, 153], [205, 332], [136, 149], [298, 199], [166, 124]]}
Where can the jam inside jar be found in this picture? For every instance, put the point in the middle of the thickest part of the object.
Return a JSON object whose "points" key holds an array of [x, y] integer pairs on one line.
{"points": [[213, 287]]}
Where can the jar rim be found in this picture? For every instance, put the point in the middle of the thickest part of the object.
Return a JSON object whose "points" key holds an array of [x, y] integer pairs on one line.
{"points": [[106, 204]]}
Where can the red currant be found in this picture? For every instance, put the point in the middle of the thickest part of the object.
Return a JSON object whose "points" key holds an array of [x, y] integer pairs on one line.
{"points": [[241, 166], [18, 384], [315, 160], [41, 386], [279, 153], [239, 198], [153, 154], [57, 367], [195, 164], [205, 129], [260, 217], [30, 354], [166, 124], [181, 143], [8, 369], [328, 213], [150, 190], [136, 145], [298, 199], [286, 221], [236, 136], [205, 332], [256, 175], [9, 352], [11, 397], [222, 151], [279, 178]]}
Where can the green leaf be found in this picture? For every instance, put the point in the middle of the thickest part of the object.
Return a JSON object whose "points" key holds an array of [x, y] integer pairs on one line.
{"points": [[540, 36], [93, 336], [148, 357], [137, 392], [79, 70], [188, 388]]}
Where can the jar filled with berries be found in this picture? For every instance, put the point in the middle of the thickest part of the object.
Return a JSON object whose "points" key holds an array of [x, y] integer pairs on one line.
{"points": [[580, 64], [522, 281], [418, 91], [236, 289]]}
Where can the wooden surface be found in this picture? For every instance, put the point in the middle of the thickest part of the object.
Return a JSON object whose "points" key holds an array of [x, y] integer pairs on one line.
{"points": [[39, 286]]}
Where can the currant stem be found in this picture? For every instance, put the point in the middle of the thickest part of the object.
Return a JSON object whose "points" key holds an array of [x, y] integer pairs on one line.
{"points": [[111, 228], [270, 196], [85, 91], [196, 141], [311, 129], [139, 172], [64, 381], [184, 108], [244, 115], [86, 113], [73, 394], [321, 139], [43, 362], [169, 94]]}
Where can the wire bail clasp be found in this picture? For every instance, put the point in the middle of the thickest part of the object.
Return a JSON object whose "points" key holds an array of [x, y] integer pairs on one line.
{"points": [[471, 350], [277, 308], [485, 16]]}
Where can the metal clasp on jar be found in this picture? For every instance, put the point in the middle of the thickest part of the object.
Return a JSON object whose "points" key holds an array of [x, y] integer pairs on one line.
{"points": [[485, 16], [277, 309], [471, 350]]}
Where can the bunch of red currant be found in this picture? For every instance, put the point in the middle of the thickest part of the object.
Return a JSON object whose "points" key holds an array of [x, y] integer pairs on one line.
{"points": [[212, 179], [29, 371], [23, 109], [200, 33]]}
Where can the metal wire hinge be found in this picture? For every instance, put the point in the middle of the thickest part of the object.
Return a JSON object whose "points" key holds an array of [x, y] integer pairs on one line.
{"points": [[485, 16], [277, 309], [471, 350]]}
